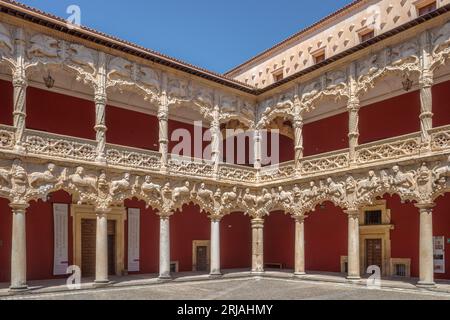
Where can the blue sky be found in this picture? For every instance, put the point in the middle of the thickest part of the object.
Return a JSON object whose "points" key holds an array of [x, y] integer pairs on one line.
{"points": [[216, 35]]}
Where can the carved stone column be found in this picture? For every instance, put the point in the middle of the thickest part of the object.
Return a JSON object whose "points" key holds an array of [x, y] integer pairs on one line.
{"points": [[100, 99], [215, 247], [20, 85], [353, 126], [353, 245], [257, 151], [299, 246], [298, 135], [164, 247], [426, 107], [163, 118], [101, 249], [215, 139], [18, 248], [426, 263], [426, 97], [257, 246]]}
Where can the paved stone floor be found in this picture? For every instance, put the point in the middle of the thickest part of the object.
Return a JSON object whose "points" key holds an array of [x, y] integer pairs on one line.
{"points": [[242, 289]]}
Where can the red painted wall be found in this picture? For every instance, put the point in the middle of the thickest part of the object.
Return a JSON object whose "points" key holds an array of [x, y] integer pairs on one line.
{"points": [[57, 113], [235, 242], [6, 102], [405, 236], [279, 236], [5, 240], [441, 227], [326, 233], [39, 227], [185, 227], [130, 128], [441, 104], [326, 135], [149, 242], [390, 118], [174, 125], [286, 151]]}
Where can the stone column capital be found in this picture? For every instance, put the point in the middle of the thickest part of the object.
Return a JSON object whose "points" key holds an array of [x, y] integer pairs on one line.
{"points": [[19, 207], [257, 223], [352, 213], [425, 206]]}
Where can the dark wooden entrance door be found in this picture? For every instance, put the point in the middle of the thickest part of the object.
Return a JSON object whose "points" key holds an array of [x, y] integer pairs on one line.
{"points": [[88, 229], [111, 247], [374, 253], [202, 258]]}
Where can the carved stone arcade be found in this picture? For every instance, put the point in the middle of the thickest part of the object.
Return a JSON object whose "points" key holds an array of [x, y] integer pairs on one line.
{"points": [[103, 176]]}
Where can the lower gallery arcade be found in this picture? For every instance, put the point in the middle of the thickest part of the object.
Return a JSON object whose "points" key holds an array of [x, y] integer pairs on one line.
{"points": [[389, 236]]}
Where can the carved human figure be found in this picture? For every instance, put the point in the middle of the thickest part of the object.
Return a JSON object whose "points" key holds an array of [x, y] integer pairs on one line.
{"points": [[166, 192], [403, 181], [284, 196], [335, 189], [264, 198], [41, 178], [367, 185], [80, 180], [205, 194], [121, 185], [248, 199], [150, 188], [19, 178], [181, 193], [229, 197], [43, 46], [311, 193], [297, 193]]}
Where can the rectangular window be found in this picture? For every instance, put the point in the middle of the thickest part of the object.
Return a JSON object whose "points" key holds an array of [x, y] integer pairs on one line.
{"points": [[364, 36], [426, 8], [319, 58], [400, 270], [278, 76], [373, 218]]}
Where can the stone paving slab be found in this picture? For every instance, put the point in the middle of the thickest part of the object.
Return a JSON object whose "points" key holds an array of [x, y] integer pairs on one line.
{"points": [[59, 285]]}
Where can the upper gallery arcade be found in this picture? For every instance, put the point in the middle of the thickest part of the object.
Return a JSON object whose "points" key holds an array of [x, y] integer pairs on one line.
{"points": [[359, 104]]}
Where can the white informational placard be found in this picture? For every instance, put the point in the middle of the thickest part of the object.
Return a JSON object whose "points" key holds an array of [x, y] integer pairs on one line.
{"points": [[133, 240], [439, 254], [61, 238]]}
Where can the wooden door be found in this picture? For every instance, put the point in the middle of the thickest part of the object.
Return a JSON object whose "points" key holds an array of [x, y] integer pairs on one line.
{"points": [[202, 258], [88, 230], [374, 251]]}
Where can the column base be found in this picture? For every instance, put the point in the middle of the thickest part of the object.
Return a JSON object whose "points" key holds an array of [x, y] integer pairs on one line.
{"points": [[215, 275], [19, 289], [102, 283], [299, 274], [257, 273], [101, 160], [165, 278], [425, 284], [353, 278], [20, 149]]}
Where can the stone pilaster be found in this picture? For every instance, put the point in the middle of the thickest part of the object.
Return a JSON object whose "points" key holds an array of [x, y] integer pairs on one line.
{"points": [[257, 152], [164, 247], [215, 247], [100, 99], [101, 249], [19, 248], [426, 263], [299, 245], [298, 136], [353, 245], [20, 84], [426, 97], [163, 118], [353, 126], [215, 137], [257, 246]]}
